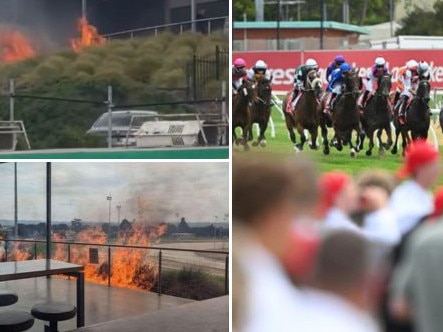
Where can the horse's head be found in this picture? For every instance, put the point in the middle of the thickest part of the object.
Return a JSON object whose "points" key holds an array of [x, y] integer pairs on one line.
{"points": [[247, 90], [350, 82], [314, 82], [384, 85], [264, 90], [423, 90]]}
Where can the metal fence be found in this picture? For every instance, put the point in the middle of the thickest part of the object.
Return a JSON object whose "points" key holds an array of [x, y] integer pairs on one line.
{"points": [[203, 69], [157, 261], [205, 26]]}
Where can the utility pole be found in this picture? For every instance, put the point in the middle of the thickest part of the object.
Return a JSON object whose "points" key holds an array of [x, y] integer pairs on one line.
{"points": [[118, 206], [109, 198], [84, 9]]}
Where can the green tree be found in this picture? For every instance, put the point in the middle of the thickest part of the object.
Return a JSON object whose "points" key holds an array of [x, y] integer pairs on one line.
{"points": [[422, 22], [241, 7]]}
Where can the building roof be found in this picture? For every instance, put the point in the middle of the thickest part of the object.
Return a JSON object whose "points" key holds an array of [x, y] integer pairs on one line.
{"points": [[301, 25]]}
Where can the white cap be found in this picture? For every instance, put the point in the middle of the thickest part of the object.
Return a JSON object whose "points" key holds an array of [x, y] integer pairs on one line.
{"points": [[380, 61], [260, 64], [411, 64]]}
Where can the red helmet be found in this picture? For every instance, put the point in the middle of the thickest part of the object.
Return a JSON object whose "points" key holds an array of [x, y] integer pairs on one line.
{"points": [[239, 62]]}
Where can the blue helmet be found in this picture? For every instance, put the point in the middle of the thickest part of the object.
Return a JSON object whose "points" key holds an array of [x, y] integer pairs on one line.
{"points": [[339, 59], [345, 67]]}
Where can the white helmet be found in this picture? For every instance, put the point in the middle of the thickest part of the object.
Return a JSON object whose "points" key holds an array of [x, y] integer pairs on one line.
{"points": [[260, 64], [412, 65], [311, 63], [423, 66], [380, 61]]}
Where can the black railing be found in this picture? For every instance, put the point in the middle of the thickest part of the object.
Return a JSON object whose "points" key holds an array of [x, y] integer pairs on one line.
{"points": [[203, 69], [163, 263]]}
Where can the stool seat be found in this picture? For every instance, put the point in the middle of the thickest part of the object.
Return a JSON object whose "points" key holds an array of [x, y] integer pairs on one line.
{"points": [[53, 311], [7, 297], [15, 321]]}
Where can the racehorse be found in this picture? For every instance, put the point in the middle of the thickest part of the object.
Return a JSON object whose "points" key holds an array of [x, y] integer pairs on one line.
{"points": [[377, 115], [417, 117], [345, 114], [241, 111], [306, 112], [261, 110]]}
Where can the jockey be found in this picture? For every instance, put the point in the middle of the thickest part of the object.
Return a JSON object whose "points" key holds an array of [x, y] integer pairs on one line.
{"points": [[423, 71], [338, 60], [334, 87], [377, 70], [407, 83], [259, 71], [301, 73], [238, 73]]}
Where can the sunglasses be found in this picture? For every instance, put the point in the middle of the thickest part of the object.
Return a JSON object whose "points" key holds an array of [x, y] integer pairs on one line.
{"points": [[380, 66]]}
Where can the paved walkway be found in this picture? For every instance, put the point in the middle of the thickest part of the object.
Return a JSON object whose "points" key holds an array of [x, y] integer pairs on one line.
{"points": [[101, 303]]}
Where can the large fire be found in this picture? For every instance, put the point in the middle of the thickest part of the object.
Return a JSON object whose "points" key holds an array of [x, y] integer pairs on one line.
{"points": [[89, 36], [14, 46]]}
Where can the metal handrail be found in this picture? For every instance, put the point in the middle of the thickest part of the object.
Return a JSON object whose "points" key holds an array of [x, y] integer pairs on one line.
{"points": [[163, 26], [109, 246]]}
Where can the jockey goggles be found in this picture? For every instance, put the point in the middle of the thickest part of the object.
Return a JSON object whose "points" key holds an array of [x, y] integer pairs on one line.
{"points": [[379, 66]]}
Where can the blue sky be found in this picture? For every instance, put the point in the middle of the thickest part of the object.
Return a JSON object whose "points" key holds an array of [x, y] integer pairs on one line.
{"points": [[153, 191]]}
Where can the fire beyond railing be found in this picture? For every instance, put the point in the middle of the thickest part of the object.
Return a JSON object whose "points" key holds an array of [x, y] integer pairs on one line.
{"points": [[166, 263]]}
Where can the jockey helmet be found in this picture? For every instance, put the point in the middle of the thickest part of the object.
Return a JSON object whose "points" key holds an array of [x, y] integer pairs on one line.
{"points": [[412, 65], [345, 67], [380, 62], [423, 67], [239, 62], [339, 59], [260, 65], [312, 64]]}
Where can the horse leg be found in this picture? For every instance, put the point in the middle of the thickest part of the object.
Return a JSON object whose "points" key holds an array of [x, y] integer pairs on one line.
{"points": [[314, 134], [370, 134], [290, 126], [381, 146], [338, 140], [388, 144], [324, 135], [353, 149], [301, 132], [394, 147], [262, 138]]}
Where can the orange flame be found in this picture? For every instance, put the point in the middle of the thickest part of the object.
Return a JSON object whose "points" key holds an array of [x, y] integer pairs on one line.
{"points": [[89, 36], [14, 46]]}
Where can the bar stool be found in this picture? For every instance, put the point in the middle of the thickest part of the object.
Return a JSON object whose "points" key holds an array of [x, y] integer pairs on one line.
{"points": [[11, 320], [7, 297], [15, 321], [53, 312]]}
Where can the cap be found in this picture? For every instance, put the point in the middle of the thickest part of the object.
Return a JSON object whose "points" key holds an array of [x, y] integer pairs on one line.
{"points": [[438, 203], [418, 154], [330, 185]]}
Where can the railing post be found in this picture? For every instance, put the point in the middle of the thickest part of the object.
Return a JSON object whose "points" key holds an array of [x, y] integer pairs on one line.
{"points": [[69, 253], [217, 62], [194, 77], [35, 250], [6, 249], [227, 275], [109, 266], [159, 288]]}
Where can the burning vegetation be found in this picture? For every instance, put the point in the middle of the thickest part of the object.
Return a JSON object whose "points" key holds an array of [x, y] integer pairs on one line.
{"points": [[15, 46]]}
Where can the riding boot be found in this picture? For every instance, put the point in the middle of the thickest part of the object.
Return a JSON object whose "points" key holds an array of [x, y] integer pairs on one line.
{"points": [[294, 96], [328, 103], [362, 102], [396, 97], [402, 111]]}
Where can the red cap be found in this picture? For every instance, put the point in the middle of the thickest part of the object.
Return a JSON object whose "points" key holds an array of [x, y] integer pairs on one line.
{"points": [[438, 203], [331, 184], [418, 153]]}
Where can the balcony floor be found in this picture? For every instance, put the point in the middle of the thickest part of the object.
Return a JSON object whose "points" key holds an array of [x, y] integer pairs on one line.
{"points": [[102, 303]]}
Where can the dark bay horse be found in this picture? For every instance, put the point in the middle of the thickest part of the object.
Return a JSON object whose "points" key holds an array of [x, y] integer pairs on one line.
{"points": [[306, 112], [345, 114], [241, 112], [261, 110], [377, 115], [418, 117]]}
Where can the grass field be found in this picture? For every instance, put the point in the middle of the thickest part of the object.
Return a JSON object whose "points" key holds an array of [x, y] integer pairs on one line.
{"points": [[281, 145]]}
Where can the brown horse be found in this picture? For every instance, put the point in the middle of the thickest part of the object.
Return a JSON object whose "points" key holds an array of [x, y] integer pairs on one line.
{"points": [[377, 115], [241, 111], [345, 114], [417, 117], [261, 110], [306, 112]]}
